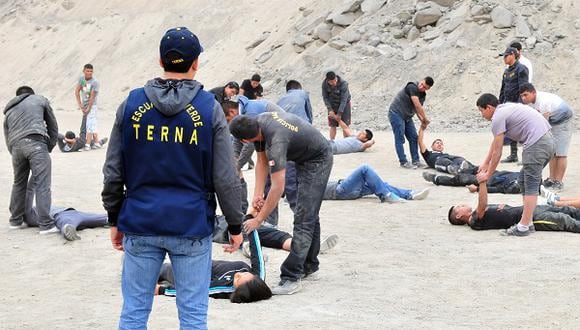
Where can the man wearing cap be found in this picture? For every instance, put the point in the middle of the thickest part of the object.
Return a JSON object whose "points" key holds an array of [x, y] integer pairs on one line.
{"points": [[517, 122], [168, 206], [251, 88], [222, 94], [408, 102], [280, 137], [514, 76], [336, 97]]}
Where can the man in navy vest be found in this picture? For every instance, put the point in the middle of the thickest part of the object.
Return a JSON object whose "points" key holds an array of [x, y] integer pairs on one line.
{"points": [[280, 137], [170, 153]]}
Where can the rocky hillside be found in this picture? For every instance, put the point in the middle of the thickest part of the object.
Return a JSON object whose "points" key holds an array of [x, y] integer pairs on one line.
{"points": [[376, 45]]}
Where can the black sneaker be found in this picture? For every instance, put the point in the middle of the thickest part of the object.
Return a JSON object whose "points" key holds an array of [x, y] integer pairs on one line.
{"points": [[429, 177], [557, 185], [407, 165], [548, 183], [510, 159]]}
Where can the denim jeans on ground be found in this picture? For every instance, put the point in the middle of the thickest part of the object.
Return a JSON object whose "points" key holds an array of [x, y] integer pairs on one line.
{"points": [[312, 178], [404, 128], [191, 262], [31, 156], [365, 181]]}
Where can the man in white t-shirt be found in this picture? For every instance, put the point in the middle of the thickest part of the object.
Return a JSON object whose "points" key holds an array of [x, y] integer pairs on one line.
{"points": [[523, 60], [559, 115], [86, 93]]}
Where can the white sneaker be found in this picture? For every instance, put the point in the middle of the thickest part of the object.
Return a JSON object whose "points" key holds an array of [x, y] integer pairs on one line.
{"points": [[87, 147], [286, 287], [420, 195], [52, 230], [328, 243], [248, 253], [70, 233], [551, 197]]}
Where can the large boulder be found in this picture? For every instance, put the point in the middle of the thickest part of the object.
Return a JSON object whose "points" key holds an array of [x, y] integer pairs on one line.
{"points": [[344, 19], [371, 6], [522, 28], [323, 32], [302, 40], [502, 18], [427, 14], [350, 36]]}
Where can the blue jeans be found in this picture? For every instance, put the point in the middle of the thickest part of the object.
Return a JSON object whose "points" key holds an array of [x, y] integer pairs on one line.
{"points": [[191, 262], [365, 181], [404, 128]]}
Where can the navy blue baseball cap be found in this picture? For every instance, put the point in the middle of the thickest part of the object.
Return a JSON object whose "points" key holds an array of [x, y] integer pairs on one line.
{"points": [[182, 41]]}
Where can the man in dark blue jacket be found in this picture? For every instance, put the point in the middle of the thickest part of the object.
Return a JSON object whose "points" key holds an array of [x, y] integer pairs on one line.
{"points": [[170, 153]]}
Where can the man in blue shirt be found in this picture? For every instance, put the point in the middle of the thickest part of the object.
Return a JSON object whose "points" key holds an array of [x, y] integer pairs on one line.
{"points": [[296, 101]]}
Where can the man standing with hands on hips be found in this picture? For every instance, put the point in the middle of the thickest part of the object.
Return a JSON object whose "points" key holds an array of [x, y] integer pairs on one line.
{"points": [[168, 205]]}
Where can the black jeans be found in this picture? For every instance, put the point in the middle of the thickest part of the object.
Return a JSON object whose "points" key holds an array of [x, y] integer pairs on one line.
{"points": [[29, 155], [312, 177], [549, 218]]}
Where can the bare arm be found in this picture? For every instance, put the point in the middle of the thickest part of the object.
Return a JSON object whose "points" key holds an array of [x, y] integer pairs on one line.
{"points": [[276, 190], [78, 96], [345, 128], [419, 109], [367, 144], [422, 147], [242, 91], [482, 200], [261, 175], [492, 159]]}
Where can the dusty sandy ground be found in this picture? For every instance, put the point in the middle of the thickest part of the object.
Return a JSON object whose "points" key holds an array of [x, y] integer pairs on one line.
{"points": [[396, 266]]}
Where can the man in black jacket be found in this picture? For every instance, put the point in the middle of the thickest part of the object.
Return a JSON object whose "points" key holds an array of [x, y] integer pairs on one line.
{"points": [[514, 76], [336, 97], [31, 131]]}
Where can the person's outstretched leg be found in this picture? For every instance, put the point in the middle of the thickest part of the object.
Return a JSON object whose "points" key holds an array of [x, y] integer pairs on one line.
{"points": [[362, 181]]}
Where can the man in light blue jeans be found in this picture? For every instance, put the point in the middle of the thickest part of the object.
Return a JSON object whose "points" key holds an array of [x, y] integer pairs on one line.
{"points": [[168, 207], [191, 262], [365, 181]]}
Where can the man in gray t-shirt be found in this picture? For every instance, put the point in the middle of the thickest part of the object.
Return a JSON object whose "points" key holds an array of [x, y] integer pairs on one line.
{"points": [[356, 143], [520, 123], [280, 137]]}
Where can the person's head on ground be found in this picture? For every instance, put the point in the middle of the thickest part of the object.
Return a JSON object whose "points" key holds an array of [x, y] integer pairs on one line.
{"points": [[232, 88], [88, 71], [293, 84], [255, 80], [249, 288], [509, 56], [486, 104], [459, 214], [231, 108], [331, 78], [179, 51], [437, 145], [69, 137], [528, 93], [364, 135], [245, 128], [425, 84], [24, 90], [518, 46]]}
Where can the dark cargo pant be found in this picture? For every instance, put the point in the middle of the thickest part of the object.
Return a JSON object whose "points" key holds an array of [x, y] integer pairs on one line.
{"points": [[29, 155], [550, 218], [312, 177]]}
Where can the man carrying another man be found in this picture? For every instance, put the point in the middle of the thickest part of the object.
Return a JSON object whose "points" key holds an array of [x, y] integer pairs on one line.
{"points": [[408, 102]]}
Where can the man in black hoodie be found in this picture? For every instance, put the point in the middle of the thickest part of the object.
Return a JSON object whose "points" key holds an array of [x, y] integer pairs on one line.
{"points": [[31, 131], [170, 154], [336, 97]]}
